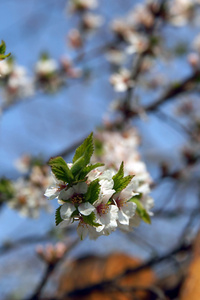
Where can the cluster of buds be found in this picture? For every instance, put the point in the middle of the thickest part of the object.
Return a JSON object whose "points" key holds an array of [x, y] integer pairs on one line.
{"points": [[89, 21], [51, 254], [99, 200]]}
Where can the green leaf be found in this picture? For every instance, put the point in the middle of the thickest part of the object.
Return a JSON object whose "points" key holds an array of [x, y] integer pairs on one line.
{"points": [[58, 218], [89, 168], [93, 191], [98, 147], [61, 169], [90, 220], [120, 173], [2, 56], [6, 190], [2, 47], [141, 210], [3, 50], [121, 182], [85, 149], [78, 166]]}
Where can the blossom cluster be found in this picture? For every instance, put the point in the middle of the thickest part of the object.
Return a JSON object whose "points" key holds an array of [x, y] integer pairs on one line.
{"points": [[27, 193], [99, 199], [49, 75], [127, 141]]}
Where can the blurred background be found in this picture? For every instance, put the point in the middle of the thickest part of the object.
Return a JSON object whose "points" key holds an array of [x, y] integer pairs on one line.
{"points": [[48, 111]]}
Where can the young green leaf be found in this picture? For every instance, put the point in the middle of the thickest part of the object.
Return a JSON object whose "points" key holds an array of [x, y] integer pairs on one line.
{"points": [[78, 166], [6, 190], [61, 169], [90, 220], [120, 173], [3, 50], [141, 210], [2, 47], [85, 149], [93, 191], [58, 218], [121, 182]]}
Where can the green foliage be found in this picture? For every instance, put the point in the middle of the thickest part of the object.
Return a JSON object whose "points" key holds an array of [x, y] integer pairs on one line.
{"points": [[82, 159], [141, 210], [85, 150], [98, 147], [121, 182], [3, 50], [6, 190], [58, 218], [61, 170], [90, 220], [80, 167], [93, 191]]}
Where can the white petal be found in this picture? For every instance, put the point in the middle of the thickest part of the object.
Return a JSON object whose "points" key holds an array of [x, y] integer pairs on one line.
{"points": [[107, 175], [86, 208], [129, 209], [113, 211], [135, 221], [106, 184], [66, 210], [64, 223], [106, 195], [122, 218], [66, 194], [80, 188], [144, 188], [51, 192], [110, 227], [93, 233], [99, 228], [82, 231], [61, 202]]}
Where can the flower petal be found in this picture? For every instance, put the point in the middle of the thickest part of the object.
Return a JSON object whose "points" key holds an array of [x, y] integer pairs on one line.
{"points": [[66, 210], [129, 209], [64, 223], [82, 231], [123, 218], [80, 188], [51, 192], [86, 208], [66, 194]]}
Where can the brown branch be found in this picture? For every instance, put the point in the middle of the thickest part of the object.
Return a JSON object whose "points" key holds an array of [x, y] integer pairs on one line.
{"points": [[181, 87]]}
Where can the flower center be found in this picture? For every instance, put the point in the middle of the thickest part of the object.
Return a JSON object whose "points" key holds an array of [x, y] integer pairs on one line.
{"points": [[102, 209], [77, 199]]}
